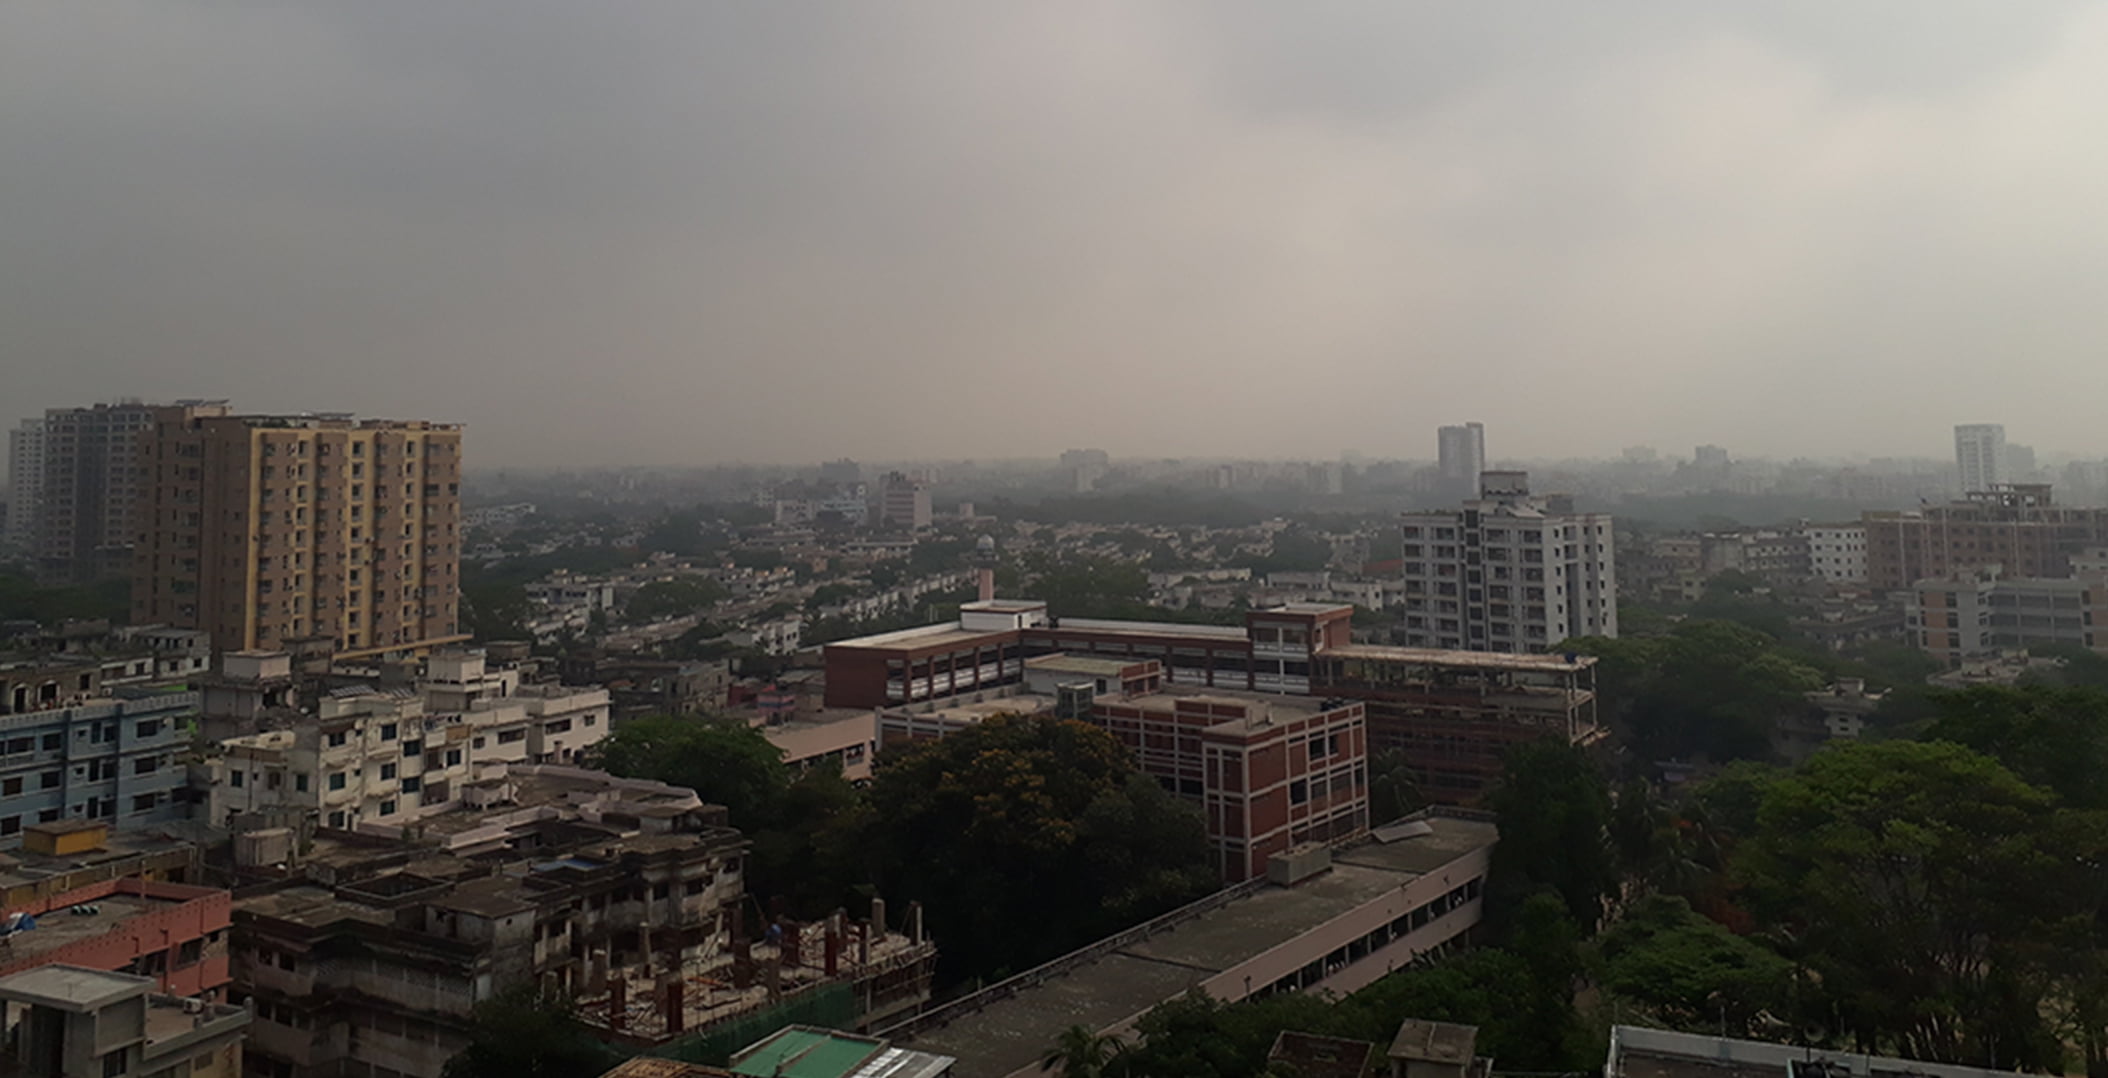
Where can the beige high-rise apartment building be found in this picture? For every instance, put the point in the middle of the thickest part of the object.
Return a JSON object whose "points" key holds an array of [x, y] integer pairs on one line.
{"points": [[266, 531]]}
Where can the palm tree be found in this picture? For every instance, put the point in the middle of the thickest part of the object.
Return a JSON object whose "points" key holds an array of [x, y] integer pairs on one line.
{"points": [[1080, 1053]]}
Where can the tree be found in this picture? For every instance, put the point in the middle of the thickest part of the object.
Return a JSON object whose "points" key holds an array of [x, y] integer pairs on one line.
{"points": [[2053, 737], [726, 763], [1393, 793], [521, 1033], [1691, 972], [1709, 688], [1554, 809], [1907, 878], [1030, 822], [1080, 1053], [673, 598]]}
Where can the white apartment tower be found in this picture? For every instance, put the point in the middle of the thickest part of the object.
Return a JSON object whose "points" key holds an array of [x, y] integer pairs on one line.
{"points": [[1980, 455], [25, 484], [1509, 572], [1461, 454]]}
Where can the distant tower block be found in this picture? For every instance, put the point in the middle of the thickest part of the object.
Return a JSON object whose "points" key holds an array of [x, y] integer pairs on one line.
{"points": [[984, 566]]}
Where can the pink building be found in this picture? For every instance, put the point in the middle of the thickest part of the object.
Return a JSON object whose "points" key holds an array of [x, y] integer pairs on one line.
{"points": [[172, 932]]}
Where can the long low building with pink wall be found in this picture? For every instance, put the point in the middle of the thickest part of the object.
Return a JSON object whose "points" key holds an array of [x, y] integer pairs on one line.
{"points": [[172, 932]]}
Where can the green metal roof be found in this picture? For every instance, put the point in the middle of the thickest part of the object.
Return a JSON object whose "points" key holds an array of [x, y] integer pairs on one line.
{"points": [[806, 1053]]}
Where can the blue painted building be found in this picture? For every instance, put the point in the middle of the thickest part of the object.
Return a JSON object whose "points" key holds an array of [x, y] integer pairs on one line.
{"points": [[72, 749]]}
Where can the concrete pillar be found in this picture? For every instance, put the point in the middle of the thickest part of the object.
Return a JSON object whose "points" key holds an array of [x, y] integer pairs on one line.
{"points": [[618, 1003], [878, 915], [644, 947], [833, 953], [596, 971], [863, 944], [792, 938], [676, 1013], [915, 921]]}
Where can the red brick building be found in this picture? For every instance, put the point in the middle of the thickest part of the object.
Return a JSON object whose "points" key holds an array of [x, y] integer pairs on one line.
{"points": [[1452, 713]]}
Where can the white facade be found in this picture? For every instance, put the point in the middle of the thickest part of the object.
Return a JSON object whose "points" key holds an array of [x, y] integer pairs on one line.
{"points": [[1509, 572], [384, 758], [25, 482], [1838, 553], [1980, 455]]}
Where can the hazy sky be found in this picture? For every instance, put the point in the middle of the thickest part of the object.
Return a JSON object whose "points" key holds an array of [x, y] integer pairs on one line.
{"points": [[699, 231]]}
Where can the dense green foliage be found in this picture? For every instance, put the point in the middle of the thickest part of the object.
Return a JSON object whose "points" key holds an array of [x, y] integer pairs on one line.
{"points": [[1554, 834], [1710, 689], [673, 598], [523, 1034], [1014, 822]]}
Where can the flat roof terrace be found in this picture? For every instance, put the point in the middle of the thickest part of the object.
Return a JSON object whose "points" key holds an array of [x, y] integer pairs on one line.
{"points": [[1105, 989]]}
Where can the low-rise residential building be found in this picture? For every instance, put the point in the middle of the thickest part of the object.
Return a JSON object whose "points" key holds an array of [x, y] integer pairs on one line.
{"points": [[1837, 552], [1637, 1052], [70, 748], [1975, 613], [174, 934], [370, 955], [76, 1022], [384, 758]]}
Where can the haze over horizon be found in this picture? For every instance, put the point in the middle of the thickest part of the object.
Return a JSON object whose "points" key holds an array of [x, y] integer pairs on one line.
{"points": [[686, 234]]}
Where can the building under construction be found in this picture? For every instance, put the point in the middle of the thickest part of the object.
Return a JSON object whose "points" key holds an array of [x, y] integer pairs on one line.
{"points": [[367, 954]]}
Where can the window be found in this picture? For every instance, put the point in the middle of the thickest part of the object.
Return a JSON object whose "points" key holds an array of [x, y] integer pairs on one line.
{"points": [[411, 784], [453, 757], [47, 815], [113, 1064], [387, 771], [336, 820], [11, 787], [388, 808], [336, 780], [234, 778], [10, 825], [49, 780], [300, 782], [388, 731], [52, 742], [413, 747], [507, 737], [146, 765], [143, 803], [336, 740]]}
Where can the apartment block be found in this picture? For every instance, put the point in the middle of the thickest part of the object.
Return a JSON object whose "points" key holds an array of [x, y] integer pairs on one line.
{"points": [[25, 484], [1837, 552], [173, 933], [267, 530], [74, 748], [76, 483], [2019, 528], [391, 758], [904, 502], [74, 1022], [1980, 457], [1976, 613], [1508, 572], [370, 957]]}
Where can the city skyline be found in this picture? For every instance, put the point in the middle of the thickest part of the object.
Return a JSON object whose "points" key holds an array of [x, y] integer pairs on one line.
{"points": [[678, 234]]}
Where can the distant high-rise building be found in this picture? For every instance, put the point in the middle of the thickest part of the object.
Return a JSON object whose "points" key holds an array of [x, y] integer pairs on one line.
{"points": [[1980, 456], [1461, 454], [25, 483], [1508, 572], [1711, 458], [264, 530], [904, 502], [74, 479], [841, 472]]}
